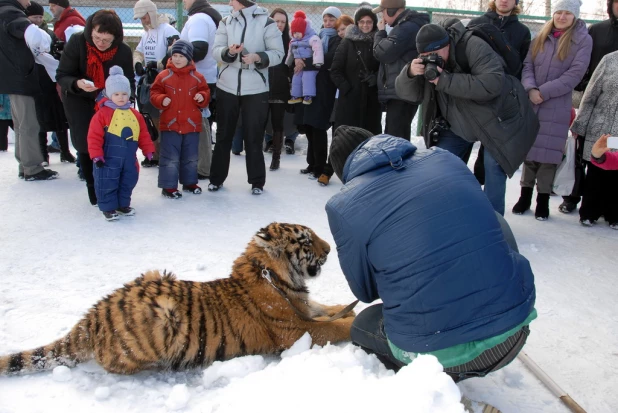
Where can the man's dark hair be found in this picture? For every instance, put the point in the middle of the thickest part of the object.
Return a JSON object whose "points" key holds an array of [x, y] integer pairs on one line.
{"points": [[107, 21]]}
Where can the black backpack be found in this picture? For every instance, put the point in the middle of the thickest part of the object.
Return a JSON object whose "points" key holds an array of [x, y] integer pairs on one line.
{"points": [[496, 39]]}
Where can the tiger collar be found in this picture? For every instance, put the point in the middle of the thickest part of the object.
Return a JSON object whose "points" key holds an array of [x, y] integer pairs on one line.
{"points": [[268, 276]]}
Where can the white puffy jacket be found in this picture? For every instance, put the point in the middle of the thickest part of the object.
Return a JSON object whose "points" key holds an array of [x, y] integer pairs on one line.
{"points": [[252, 27]]}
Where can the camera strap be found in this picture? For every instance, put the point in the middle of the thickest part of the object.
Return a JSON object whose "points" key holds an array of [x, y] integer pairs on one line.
{"points": [[358, 56]]}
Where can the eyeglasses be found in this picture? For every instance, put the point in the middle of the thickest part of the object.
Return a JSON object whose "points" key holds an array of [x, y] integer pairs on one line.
{"points": [[97, 39], [365, 23]]}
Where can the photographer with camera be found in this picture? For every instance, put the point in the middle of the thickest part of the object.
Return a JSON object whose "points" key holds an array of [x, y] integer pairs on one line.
{"points": [[152, 48], [463, 102]]}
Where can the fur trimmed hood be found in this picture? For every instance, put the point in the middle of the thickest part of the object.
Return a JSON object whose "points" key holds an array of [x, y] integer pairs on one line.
{"points": [[352, 32]]}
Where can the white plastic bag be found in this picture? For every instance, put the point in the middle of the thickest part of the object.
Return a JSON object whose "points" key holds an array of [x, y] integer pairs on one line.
{"points": [[565, 174]]}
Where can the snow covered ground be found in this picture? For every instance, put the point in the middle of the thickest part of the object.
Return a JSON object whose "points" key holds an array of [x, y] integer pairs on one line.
{"points": [[58, 256]]}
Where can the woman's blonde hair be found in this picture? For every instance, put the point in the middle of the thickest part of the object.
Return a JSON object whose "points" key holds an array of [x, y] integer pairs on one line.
{"points": [[516, 10], [564, 44]]}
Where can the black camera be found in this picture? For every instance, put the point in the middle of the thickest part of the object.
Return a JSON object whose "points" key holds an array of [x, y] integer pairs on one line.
{"points": [[438, 125], [432, 61], [56, 49]]}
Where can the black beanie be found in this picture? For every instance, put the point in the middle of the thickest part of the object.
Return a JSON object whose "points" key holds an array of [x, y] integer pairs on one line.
{"points": [[62, 3], [35, 9], [366, 11], [247, 3], [430, 38], [345, 140]]}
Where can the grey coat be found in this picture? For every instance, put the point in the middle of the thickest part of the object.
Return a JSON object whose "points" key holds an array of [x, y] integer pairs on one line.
{"points": [[484, 104], [556, 80], [598, 113]]}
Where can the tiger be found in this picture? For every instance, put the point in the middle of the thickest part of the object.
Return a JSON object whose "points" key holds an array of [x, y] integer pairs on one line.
{"points": [[162, 323]]}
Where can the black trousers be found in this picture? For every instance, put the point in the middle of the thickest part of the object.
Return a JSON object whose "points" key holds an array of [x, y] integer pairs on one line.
{"points": [[87, 168], [277, 114], [4, 133], [317, 149], [600, 196], [399, 116], [254, 111]]}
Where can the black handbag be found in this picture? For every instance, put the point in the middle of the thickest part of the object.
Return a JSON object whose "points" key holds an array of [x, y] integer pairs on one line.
{"points": [[152, 130]]}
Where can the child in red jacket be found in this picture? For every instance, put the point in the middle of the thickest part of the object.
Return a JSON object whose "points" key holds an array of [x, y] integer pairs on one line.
{"points": [[115, 133], [180, 92]]}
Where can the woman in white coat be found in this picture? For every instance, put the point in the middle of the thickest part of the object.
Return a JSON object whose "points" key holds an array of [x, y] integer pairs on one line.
{"points": [[246, 44]]}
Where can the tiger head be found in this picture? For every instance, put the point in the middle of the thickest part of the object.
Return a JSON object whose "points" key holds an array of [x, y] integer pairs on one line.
{"points": [[303, 250]]}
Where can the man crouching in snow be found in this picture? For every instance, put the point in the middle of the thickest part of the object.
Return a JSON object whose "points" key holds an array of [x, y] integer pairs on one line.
{"points": [[414, 229]]}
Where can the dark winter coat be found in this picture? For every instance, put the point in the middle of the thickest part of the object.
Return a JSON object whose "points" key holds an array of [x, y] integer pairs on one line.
{"points": [[49, 108], [279, 76], [396, 49], [556, 80], [421, 235], [482, 104], [358, 102], [79, 105], [318, 113], [604, 40], [517, 33], [18, 73]]}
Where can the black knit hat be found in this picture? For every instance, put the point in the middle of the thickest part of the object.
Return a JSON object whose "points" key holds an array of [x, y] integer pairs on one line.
{"points": [[184, 48], [345, 140], [430, 38], [62, 3], [35, 9], [247, 3], [365, 11]]}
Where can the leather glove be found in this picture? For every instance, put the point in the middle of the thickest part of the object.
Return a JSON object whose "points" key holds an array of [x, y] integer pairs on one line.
{"points": [[371, 80], [99, 161], [139, 69]]}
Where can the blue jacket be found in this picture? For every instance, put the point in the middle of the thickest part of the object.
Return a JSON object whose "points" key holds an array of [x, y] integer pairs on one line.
{"points": [[415, 229]]}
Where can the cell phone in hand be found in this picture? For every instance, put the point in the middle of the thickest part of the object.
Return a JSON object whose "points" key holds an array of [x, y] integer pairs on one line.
{"points": [[89, 82], [612, 142]]}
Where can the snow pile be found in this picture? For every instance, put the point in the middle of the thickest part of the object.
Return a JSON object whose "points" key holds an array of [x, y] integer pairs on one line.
{"points": [[178, 398]]}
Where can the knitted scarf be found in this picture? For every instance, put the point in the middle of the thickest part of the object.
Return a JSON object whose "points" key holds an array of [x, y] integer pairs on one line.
{"points": [[325, 35], [95, 59]]}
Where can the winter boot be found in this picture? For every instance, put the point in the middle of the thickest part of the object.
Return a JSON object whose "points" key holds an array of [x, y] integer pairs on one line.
{"points": [[44, 175], [194, 189], [289, 147], [307, 170], [525, 200], [256, 189], [277, 144], [111, 215], [213, 187], [567, 207], [65, 153], [171, 193], [542, 207], [324, 179], [125, 211]]}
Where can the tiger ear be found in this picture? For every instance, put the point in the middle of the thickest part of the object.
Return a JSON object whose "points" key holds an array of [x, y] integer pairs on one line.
{"points": [[264, 239]]}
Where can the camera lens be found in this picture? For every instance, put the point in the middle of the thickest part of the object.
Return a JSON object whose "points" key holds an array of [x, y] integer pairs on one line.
{"points": [[431, 71]]}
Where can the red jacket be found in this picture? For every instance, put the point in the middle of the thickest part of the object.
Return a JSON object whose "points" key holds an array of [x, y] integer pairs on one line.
{"points": [[99, 127], [69, 17], [183, 114]]}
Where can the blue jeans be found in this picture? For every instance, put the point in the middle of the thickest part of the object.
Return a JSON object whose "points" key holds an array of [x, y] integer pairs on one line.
{"points": [[54, 142], [178, 155], [495, 183], [454, 144]]}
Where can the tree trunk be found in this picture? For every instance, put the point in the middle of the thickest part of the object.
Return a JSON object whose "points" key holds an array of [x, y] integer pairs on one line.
{"points": [[548, 8]]}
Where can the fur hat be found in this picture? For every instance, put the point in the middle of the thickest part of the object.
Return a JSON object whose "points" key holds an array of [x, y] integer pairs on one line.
{"points": [[35, 9], [143, 7], [299, 23], [62, 3], [345, 140], [365, 11], [184, 48], [572, 6], [431, 37], [116, 82], [333, 11]]}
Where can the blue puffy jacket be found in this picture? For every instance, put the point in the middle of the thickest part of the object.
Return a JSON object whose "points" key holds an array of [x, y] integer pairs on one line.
{"points": [[414, 229]]}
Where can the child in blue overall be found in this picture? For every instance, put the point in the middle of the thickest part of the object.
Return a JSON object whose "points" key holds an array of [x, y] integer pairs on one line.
{"points": [[115, 133], [306, 45]]}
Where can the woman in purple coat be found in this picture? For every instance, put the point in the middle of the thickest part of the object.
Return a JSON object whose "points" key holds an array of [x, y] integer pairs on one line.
{"points": [[556, 63]]}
